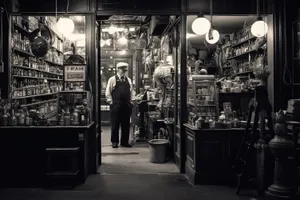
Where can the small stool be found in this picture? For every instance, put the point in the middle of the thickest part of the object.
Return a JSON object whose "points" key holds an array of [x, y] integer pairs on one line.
{"points": [[62, 163]]}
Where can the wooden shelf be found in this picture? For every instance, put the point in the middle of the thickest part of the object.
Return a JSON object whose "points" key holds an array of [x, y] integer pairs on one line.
{"points": [[29, 68], [37, 103], [33, 96], [242, 42], [242, 54], [31, 77]]}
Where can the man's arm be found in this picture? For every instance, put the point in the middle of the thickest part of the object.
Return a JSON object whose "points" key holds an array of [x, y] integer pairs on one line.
{"points": [[108, 91], [132, 91]]}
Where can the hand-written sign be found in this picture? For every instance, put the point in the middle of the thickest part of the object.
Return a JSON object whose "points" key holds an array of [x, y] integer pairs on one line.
{"points": [[75, 73]]}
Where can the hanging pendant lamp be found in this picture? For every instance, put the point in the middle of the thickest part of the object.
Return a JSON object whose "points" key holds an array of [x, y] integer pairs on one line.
{"points": [[213, 35], [201, 25], [65, 25], [259, 28]]}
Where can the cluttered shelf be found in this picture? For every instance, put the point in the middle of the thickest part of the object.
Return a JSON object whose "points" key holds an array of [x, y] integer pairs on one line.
{"points": [[49, 127]]}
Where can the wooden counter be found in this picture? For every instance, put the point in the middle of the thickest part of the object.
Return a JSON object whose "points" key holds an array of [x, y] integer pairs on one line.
{"points": [[23, 152], [210, 154]]}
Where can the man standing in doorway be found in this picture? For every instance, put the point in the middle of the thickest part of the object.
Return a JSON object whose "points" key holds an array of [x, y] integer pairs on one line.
{"points": [[120, 95]]}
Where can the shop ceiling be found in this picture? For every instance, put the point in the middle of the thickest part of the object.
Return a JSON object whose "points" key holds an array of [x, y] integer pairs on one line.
{"points": [[224, 24]]}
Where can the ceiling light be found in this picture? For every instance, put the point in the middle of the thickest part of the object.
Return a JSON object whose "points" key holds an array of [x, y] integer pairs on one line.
{"points": [[108, 42], [132, 29], [111, 57], [212, 36], [102, 43], [259, 28], [65, 25], [201, 25], [112, 29], [123, 40]]}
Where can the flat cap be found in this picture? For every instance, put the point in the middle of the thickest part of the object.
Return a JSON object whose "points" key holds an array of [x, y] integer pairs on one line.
{"points": [[122, 64]]}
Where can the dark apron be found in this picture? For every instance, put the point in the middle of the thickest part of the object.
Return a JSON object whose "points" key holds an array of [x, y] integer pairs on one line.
{"points": [[121, 110], [121, 93]]}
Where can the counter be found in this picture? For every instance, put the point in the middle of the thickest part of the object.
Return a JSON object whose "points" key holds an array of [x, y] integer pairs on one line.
{"points": [[211, 153], [23, 152]]}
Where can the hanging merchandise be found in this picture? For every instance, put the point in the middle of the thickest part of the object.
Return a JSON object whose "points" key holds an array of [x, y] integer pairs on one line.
{"points": [[201, 25], [65, 25], [213, 35], [259, 28]]}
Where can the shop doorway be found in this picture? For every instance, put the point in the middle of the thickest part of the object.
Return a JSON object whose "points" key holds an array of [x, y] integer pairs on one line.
{"points": [[144, 43]]}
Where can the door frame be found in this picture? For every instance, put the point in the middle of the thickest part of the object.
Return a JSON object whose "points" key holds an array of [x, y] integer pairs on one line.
{"points": [[183, 79]]}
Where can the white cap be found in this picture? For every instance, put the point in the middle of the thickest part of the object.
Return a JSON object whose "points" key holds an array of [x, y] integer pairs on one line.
{"points": [[122, 64]]}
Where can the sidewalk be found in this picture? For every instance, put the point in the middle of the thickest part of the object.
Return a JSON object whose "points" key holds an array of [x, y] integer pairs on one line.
{"points": [[128, 187]]}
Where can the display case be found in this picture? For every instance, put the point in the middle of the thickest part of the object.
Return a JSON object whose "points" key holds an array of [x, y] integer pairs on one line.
{"points": [[74, 108], [202, 98]]}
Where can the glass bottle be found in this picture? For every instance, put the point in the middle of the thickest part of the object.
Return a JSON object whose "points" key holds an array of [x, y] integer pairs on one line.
{"points": [[27, 119], [13, 119], [5, 118], [61, 120], [67, 118], [75, 120], [82, 117], [22, 118]]}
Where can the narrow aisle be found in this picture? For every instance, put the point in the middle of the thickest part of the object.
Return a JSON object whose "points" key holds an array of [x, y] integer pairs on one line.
{"points": [[133, 160]]}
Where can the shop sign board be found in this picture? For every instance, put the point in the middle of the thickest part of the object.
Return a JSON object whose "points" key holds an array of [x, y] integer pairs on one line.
{"points": [[74, 73], [138, 5]]}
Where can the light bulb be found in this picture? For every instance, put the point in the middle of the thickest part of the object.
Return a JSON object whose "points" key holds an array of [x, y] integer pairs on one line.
{"points": [[214, 37], [65, 25], [259, 28], [112, 29], [201, 25], [102, 43], [123, 40], [123, 52], [108, 42]]}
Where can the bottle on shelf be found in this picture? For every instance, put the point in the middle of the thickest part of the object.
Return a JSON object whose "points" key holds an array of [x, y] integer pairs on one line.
{"points": [[75, 117], [13, 119], [67, 118]]}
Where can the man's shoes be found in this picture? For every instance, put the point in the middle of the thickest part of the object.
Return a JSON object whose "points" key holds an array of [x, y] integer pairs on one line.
{"points": [[126, 145], [115, 145]]}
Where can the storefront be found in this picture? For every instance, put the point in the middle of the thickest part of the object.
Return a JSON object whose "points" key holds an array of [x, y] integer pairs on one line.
{"points": [[187, 53]]}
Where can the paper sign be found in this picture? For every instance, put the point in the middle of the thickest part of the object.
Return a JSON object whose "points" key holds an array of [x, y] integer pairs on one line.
{"points": [[75, 73]]}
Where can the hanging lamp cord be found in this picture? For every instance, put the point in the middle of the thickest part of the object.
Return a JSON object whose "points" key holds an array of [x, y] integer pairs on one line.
{"points": [[56, 9], [68, 4], [257, 8], [287, 79], [211, 11]]}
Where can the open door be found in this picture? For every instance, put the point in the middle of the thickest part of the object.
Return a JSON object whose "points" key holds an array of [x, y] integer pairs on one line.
{"points": [[179, 138], [98, 93]]}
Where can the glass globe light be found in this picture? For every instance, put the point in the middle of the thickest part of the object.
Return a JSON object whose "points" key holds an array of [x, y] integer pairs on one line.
{"points": [[215, 37], [65, 25], [123, 40], [108, 42], [112, 29], [201, 25], [259, 28], [102, 43]]}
